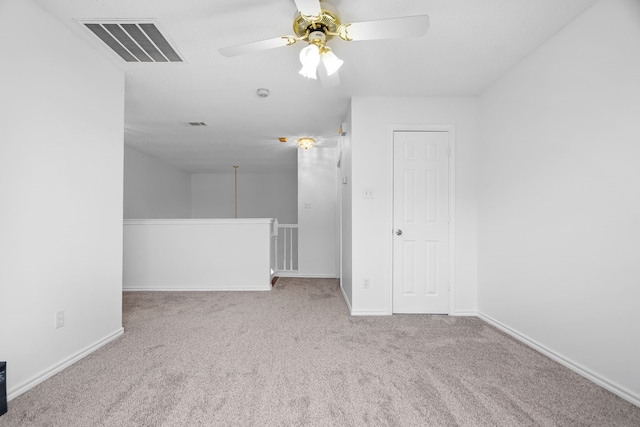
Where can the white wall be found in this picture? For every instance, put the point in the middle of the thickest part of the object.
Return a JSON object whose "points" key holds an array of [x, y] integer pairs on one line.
{"points": [[346, 210], [61, 168], [153, 188], [559, 180], [317, 212], [372, 168], [197, 254], [260, 195]]}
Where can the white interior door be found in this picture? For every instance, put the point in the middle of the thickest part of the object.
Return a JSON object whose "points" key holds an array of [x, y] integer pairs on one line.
{"points": [[421, 222]]}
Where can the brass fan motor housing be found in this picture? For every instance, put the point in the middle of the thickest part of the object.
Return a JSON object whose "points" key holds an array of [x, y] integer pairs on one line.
{"points": [[328, 22]]}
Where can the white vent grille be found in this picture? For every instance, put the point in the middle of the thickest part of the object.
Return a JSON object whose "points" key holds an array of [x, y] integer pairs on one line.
{"points": [[135, 41]]}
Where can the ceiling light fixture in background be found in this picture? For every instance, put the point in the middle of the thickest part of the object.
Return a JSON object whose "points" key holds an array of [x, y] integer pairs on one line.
{"points": [[306, 143]]}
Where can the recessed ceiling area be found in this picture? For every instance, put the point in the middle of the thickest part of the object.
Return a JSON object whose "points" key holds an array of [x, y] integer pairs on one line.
{"points": [[469, 44]]}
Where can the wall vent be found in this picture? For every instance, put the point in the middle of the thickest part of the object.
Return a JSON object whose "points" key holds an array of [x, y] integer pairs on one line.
{"points": [[134, 41], [197, 124]]}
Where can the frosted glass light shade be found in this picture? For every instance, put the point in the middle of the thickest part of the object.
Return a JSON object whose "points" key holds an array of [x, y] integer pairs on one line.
{"points": [[310, 59], [331, 62]]}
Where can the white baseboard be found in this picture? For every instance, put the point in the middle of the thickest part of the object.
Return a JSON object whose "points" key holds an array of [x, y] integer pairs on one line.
{"points": [[48, 373], [344, 295], [215, 289], [370, 313], [359, 312], [287, 274], [304, 275], [576, 367], [472, 313]]}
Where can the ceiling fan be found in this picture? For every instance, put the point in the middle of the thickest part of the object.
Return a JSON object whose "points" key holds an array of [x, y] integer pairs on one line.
{"points": [[316, 22]]}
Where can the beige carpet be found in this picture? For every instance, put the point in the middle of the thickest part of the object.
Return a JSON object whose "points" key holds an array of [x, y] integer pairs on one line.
{"points": [[294, 356]]}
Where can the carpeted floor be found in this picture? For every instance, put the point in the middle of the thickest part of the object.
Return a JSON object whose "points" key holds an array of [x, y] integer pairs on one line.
{"points": [[294, 356]]}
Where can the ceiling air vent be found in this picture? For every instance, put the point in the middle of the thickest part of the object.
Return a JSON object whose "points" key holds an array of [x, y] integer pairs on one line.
{"points": [[135, 41]]}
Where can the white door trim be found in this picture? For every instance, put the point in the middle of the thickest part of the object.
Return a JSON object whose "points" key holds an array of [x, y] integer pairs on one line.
{"points": [[452, 200]]}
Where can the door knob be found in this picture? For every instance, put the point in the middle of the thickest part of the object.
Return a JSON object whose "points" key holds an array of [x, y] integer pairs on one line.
{"points": [[398, 232]]}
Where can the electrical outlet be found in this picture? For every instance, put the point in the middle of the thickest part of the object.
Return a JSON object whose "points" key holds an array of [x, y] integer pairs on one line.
{"points": [[367, 193], [365, 284], [59, 319]]}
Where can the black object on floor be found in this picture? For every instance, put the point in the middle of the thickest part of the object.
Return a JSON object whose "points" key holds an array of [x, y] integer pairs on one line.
{"points": [[3, 387]]}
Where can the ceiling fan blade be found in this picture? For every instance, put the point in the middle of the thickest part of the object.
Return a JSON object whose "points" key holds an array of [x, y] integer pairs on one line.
{"points": [[258, 46], [309, 7], [394, 28]]}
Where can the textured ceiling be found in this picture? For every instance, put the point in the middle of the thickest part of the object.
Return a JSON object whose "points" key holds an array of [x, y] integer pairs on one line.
{"points": [[469, 45]]}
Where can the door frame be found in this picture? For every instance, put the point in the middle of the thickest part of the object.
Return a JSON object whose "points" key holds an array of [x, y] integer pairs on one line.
{"points": [[452, 199]]}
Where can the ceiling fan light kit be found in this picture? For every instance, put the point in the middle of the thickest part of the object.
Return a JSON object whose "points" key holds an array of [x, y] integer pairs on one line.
{"points": [[317, 50]]}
